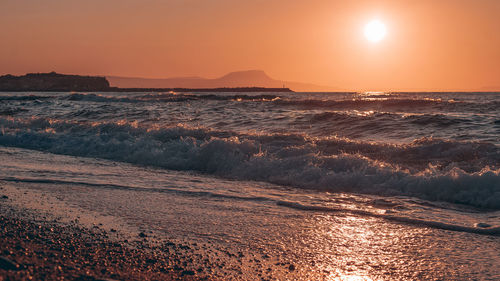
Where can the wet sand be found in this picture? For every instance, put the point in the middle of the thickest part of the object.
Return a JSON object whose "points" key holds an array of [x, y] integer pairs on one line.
{"points": [[199, 227], [38, 248], [53, 239]]}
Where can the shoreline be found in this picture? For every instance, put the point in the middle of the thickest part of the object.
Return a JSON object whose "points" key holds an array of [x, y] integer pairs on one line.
{"points": [[92, 230], [177, 255], [35, 247]]}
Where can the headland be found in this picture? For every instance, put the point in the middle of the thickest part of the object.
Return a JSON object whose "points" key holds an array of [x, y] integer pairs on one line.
{"points": [[56, 82]]}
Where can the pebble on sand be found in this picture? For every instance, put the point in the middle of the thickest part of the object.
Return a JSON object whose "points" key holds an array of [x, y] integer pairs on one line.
{"points": [[7, 264]]}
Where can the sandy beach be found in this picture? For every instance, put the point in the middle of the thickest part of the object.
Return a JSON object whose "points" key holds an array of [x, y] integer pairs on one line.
{"points": [[86, 218], [35, 247]]}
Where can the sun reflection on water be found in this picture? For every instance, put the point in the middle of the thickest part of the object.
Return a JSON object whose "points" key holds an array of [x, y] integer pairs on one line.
{"points": [[347, 247]]}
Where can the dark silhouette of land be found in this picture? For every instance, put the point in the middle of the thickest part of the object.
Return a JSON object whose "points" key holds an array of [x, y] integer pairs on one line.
{"points": [[252, 78], [52, 82], [55, 82]]}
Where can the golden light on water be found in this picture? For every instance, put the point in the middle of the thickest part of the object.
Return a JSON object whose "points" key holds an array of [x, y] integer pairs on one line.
{"points": [[348, 247]]}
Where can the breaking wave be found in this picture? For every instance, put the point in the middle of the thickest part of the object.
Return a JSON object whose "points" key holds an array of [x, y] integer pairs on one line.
{"points": [[431, 169]]}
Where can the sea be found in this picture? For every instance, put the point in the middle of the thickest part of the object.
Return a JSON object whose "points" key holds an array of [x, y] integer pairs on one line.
{"points": [[275, 185]]}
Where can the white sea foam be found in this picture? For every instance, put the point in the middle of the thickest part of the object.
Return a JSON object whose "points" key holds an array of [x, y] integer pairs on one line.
{"points": [[433, 169]]}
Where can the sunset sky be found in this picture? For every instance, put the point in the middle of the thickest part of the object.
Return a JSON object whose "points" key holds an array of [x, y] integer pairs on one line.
{"points": [[429, 45]]}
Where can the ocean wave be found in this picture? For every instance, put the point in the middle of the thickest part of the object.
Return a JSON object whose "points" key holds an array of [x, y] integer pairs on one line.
{"points": [[24, 97], [183, 96], [91, 97], [360, 102], [12, 110], [391, 104], [152, 97], [351, 118], [167, 97], [432, 169], [435, 119], [366, 103]]}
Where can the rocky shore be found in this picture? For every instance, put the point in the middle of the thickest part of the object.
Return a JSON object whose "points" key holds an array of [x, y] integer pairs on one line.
{"points": [[33, 248]]}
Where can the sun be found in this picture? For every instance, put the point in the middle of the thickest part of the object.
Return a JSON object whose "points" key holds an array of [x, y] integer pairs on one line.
{"points": [[375, 31]]}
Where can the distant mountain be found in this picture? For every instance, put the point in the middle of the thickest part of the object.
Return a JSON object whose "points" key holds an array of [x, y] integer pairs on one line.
{"points": [[249, 78]]}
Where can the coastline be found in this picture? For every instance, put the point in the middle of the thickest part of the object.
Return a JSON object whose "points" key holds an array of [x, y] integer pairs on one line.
{"points": [[38, 247], [55, 82]]}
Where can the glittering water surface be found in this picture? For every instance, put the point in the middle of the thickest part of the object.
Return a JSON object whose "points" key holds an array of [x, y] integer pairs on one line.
{"points": [[343, 186]]}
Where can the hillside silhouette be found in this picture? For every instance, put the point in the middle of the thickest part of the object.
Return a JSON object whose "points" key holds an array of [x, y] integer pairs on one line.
{"points": [[248, 78]]}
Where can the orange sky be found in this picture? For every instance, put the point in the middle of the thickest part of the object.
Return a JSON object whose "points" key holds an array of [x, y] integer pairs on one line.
{"points": [[430, 45]]}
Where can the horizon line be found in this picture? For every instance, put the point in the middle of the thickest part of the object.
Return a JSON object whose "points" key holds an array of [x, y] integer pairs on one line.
{"points": [[482, 89]]}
